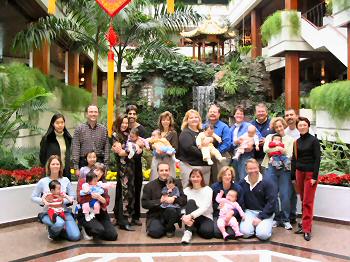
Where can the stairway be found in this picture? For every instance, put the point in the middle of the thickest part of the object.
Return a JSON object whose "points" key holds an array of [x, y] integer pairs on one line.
{"points": [[328, 37]]}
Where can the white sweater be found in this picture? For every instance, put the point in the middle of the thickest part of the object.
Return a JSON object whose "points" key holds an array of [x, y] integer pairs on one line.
{"points": [[203, 198]]}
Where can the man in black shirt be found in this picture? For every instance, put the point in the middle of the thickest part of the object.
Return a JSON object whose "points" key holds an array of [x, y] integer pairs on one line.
{"points": [[131, 111], [160, 221]]}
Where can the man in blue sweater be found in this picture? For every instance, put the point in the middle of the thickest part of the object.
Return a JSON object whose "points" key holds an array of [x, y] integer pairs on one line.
{"points": [[260, 197], [223, 131]]}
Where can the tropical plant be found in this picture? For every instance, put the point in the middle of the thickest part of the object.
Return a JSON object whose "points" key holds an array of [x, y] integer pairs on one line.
{"points": [[83, 25], [335, 157], [129, 56], [233, 77], [146, 25], [332, 97], [244, 49], [272, 26]]}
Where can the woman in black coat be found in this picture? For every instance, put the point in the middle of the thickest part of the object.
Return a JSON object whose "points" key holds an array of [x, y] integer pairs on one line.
{"points": [[57, 141]]}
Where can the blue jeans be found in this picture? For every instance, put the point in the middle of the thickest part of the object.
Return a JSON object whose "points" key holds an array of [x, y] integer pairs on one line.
{"points": [[239, 165], [263, 230], [55, 229], [281, 179]]}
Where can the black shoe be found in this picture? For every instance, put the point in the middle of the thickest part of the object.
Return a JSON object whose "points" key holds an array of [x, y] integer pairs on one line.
{"points": [[299, 231], [135, 222], [170, 234], [127, 228], [307, 236]]}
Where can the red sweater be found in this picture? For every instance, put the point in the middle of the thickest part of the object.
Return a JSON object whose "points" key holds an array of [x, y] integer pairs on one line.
{"points": [[273, 144]]}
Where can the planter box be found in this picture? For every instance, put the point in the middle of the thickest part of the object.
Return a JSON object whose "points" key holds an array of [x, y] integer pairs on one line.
{"points": [[327, 126], [341, 15], [331, 202], [286, 40]]}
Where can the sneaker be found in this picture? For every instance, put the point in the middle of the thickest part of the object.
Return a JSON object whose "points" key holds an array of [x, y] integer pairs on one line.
{"points": [[186, 238], [287, 226], [275, 223], [85, 235]]}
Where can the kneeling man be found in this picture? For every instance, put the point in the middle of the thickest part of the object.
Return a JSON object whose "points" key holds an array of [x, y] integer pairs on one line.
{"points": [[161, 221], [260, 196]]}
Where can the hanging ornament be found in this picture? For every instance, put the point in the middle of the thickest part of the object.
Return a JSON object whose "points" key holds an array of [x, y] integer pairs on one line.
{"points": [[111, 7]]}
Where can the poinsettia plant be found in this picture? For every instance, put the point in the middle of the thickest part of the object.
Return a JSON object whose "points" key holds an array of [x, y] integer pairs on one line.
{"points": [[335, 179], [21, 176]]}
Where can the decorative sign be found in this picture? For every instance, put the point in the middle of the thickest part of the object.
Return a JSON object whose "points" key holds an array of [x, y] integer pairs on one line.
{"points": [[112, 7]]}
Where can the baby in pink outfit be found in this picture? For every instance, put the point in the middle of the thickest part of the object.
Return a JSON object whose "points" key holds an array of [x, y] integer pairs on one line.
{"points": [[226, 217]]}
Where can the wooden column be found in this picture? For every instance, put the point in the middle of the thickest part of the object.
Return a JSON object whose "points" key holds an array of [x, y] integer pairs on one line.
{"points": [[256, 34], [292, 81], [41, 58], [88, 78], [203, 55], [193, 51], [199, 52], [291, 4], [213, 55], [73, 69], [218, 53], [223, 51], [348, 51]]}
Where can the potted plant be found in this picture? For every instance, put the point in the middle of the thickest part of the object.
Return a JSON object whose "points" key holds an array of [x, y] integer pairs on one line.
{"points": [[289, 21], [332, 102]]}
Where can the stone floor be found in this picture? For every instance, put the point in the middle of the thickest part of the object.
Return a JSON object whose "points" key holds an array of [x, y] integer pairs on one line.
{"points": [[28, 242]]}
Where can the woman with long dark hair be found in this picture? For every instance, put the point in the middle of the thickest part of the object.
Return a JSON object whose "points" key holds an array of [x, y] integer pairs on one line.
{"points": [[125, 167], [167, 130], [57, 141]]}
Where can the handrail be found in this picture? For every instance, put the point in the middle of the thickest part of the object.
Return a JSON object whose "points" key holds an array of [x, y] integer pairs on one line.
{"points": [[315, 14]]}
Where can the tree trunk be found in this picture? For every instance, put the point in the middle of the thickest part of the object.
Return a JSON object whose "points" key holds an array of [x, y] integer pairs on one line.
{"points": [[94, 79]]}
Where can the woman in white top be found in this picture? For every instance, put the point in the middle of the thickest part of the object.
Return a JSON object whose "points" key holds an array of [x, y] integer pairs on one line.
{"points": [[280, 175], [67, 228], [199, 210]]}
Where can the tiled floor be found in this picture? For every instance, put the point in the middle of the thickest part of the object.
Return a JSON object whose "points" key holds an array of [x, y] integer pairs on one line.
{"points": [[330, 242]]}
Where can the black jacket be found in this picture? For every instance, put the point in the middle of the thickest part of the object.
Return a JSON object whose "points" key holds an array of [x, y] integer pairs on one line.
{"points": [[49, 146], [152, 192]]}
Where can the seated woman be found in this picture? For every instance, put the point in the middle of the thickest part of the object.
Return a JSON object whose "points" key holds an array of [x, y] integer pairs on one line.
{"points": [[226, 178], [199, 210], [100, 226], [66, 228]]}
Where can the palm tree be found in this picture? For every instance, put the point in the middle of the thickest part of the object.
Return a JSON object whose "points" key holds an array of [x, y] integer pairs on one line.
{"points": [[143, 24], [83, 25], [146, 26]]}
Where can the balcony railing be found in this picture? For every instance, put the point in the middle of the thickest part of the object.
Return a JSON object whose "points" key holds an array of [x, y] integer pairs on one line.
{"points": [[315, 14]]}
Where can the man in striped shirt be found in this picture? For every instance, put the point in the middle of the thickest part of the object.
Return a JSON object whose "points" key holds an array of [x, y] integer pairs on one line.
{"points": [[88, 137]]}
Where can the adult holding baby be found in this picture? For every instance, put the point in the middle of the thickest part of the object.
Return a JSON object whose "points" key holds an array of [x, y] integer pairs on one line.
{"points": [[279, 149], [189, 154], [166, 125], [238, 129]]}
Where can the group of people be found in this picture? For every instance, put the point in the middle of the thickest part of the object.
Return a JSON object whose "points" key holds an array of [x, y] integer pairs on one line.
{"points": [[236, 181]]}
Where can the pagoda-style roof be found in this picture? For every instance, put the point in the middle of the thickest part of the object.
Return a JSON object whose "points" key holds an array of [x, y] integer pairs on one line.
{"points": [[209, 27]]}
